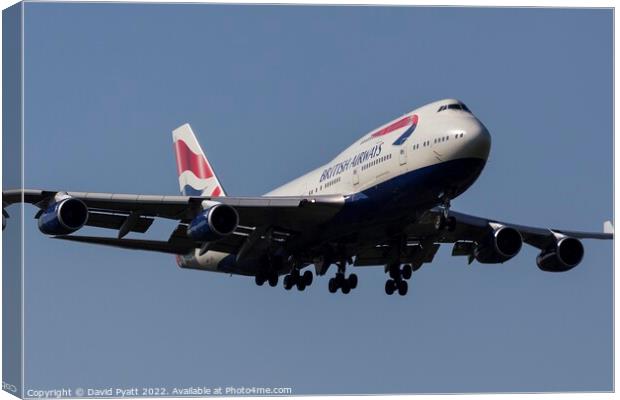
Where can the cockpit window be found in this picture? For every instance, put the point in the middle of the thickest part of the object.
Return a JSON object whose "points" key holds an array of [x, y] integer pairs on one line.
{"points": [[455, 106]]}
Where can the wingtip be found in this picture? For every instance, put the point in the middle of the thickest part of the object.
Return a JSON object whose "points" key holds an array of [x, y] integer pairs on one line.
{"points": [[608, 227]]}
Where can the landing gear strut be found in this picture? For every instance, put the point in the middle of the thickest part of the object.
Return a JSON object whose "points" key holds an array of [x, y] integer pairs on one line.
{"points": [[295, 278], [444, 221], [398, 279], [346, 284]]}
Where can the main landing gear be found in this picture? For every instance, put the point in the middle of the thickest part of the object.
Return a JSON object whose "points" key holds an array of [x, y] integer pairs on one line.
{"points": [[295, 278], [342, 283], [399, 276], [262, 277]]}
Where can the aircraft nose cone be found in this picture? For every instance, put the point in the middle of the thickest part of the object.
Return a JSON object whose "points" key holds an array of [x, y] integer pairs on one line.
{"points": [[478, 142]]}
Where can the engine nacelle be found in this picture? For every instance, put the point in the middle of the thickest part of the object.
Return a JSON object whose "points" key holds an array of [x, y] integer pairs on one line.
{"points": [[500, 245], [63, 217], [213, 223], [565, 254]]}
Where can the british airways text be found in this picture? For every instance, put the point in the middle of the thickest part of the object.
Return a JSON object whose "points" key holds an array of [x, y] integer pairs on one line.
{"points": [[354, 161]]}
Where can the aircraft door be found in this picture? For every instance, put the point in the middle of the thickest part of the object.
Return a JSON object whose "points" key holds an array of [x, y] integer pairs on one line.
{"points": [[403, 156], [356, 177]]}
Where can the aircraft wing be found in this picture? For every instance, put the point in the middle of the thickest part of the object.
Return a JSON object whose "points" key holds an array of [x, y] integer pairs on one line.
{"points": [[110, 210], [423, 239], [469, 227]]}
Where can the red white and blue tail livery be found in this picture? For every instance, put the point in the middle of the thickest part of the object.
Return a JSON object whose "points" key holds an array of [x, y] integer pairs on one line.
{"points": [[383, 201], [196, 175]]}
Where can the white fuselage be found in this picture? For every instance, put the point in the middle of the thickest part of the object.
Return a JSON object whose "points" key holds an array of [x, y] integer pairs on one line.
{"points": [[438, 137], [415, 141]]}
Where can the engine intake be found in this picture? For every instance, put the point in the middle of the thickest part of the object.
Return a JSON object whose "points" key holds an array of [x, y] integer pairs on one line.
{"points": [[213, 223], [500, 245], [63, 217], [562, 256]]}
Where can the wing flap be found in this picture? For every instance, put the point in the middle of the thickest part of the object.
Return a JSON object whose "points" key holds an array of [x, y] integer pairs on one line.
{"points": [[415, 254], [132, 244], [115, 221]]}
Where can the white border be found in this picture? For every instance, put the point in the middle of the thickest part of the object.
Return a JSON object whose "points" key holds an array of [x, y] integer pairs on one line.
{"points": [[477, 3]]}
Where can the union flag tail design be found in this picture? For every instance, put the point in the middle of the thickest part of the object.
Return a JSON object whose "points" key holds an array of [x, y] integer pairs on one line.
{"points": [[196, 176]]}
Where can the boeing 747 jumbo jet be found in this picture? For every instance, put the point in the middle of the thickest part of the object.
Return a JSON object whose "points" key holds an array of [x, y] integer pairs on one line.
{"points": [[385, 200]]}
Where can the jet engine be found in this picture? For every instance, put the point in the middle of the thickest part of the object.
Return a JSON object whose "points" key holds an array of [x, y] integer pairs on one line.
{"points": [[63, 217], [500, 245], [565, 254], [213, 223]]}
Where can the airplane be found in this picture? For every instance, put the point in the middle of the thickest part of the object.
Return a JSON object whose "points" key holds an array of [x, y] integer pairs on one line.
{"points": [[383, 201]]}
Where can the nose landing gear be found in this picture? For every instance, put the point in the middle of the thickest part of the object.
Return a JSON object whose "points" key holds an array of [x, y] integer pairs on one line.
{"points": [[444, 221]]}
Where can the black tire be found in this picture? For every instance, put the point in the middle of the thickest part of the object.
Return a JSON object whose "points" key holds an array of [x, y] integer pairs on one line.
{"points": [[259, 279], [339, 280], [287, 282], [332, 286], [389, 287], [394, 271], [403, 287], [345, 287], [273, 280], [407, 271], [301, 285], [352, 281], [307, 278]]}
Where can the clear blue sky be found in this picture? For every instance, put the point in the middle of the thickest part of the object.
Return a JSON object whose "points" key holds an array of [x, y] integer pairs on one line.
{"points": [[273, 92]]}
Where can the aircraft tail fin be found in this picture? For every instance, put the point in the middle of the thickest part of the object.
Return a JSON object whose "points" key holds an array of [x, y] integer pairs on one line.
{"points": [[196, 176]]}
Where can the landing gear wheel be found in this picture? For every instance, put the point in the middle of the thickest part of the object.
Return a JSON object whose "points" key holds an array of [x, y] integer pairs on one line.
{"points": [[407, 271], [307, 278], [352, 280], [389, 287], [288, 282], [273, 280], [403, 287], [259, 279], [394, 271], [341, 281], [332, 286], [301, 285]]}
